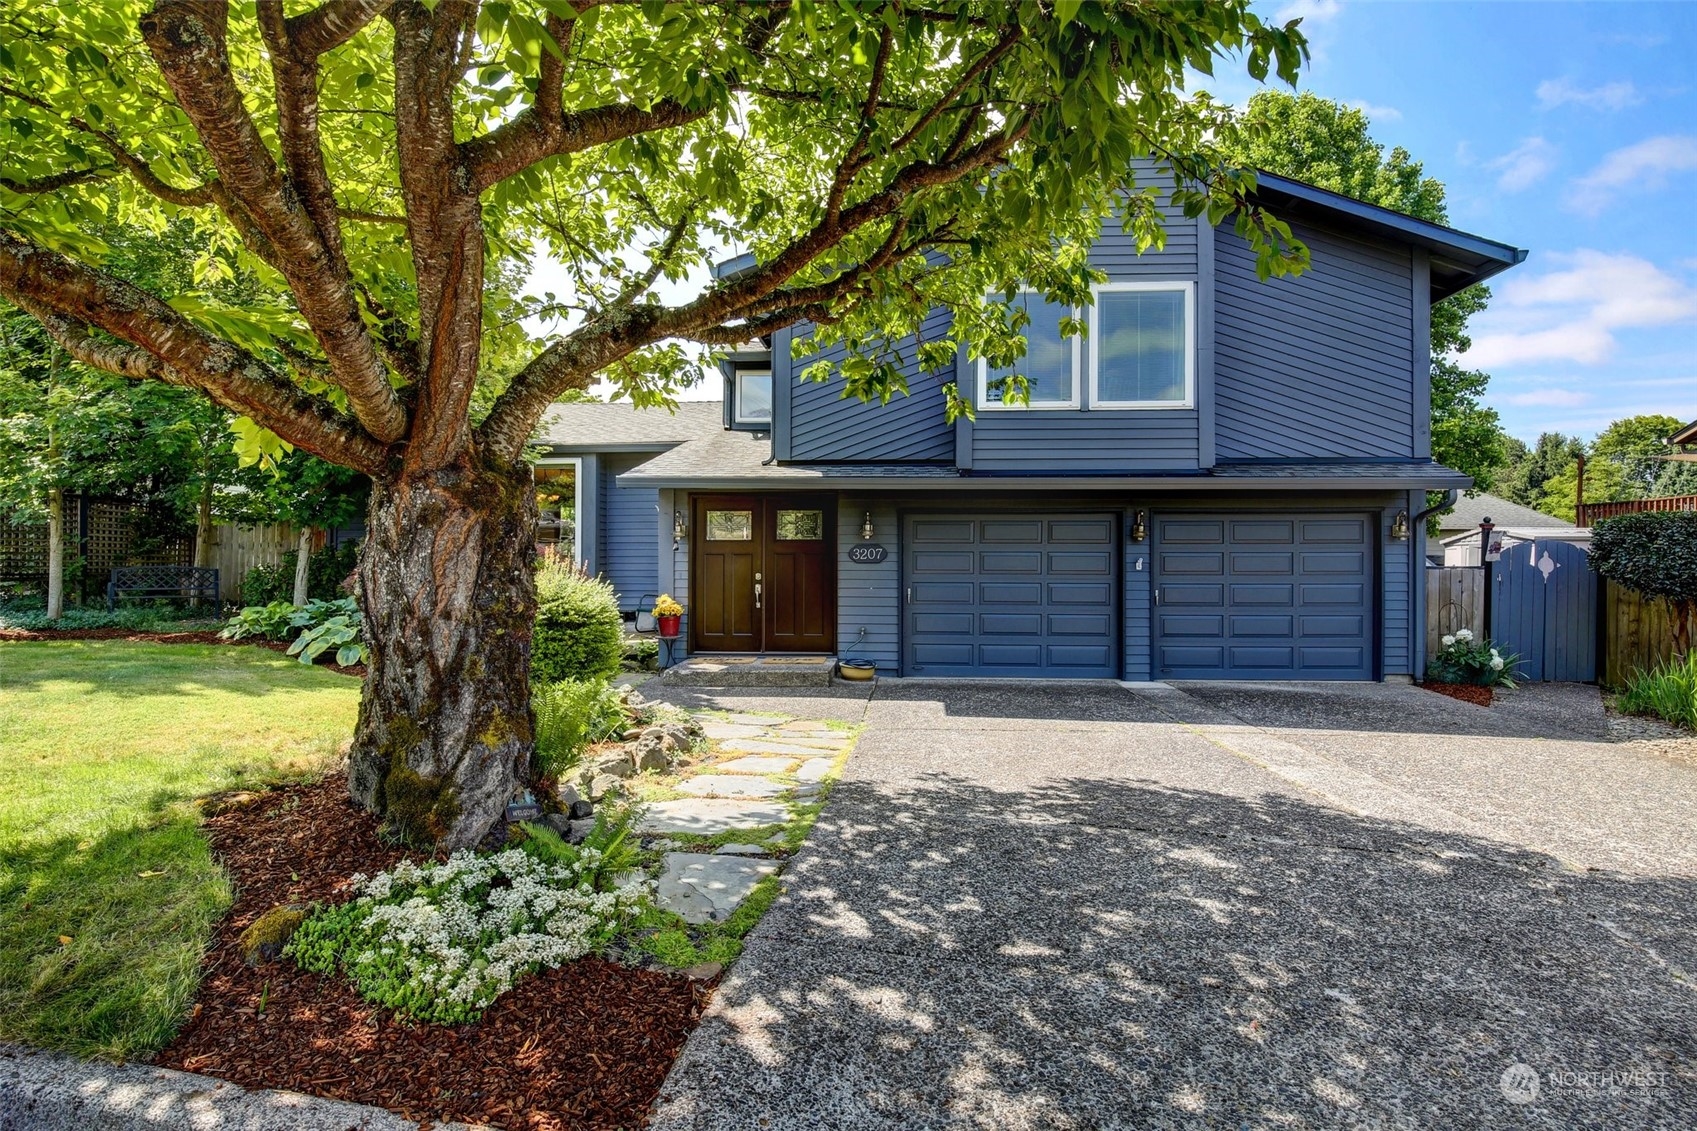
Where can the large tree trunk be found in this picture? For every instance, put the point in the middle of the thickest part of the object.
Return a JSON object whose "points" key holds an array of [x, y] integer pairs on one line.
{"points": [[205, 547], [448, 590], [55, 553], [303, 565]]}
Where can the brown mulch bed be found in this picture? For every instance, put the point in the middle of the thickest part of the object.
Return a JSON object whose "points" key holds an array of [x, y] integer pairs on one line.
{"points": [[584, 1046], [157, 638], [1466, 692]]}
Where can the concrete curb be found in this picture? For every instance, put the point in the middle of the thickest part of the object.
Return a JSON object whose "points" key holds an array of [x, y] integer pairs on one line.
{"points": [[45, 1091]]}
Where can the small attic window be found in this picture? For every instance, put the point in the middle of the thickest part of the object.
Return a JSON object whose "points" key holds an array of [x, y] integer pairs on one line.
{"points": [[753, 396]]}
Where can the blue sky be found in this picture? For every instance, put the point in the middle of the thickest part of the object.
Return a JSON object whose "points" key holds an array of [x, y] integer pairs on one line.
{"points": [[1568, 129]]}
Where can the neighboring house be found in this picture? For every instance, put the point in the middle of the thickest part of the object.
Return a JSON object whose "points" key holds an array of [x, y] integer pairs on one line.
{"points": [[1225, 480], [1518, 524]]}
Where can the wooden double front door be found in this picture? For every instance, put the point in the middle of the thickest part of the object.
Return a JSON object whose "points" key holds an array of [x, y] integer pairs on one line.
{"points": [[763, 572]]}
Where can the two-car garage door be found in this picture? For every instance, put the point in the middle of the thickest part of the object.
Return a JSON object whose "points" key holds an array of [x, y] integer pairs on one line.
{"points": [[1236, 596]]}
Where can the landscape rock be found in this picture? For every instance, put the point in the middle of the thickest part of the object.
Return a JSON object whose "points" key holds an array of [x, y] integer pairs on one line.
{"points": [[619, 765], [603, 785], [572, 801], [704, 971], [576, 831], [814, 770], [559, 822], [757, 764], [265, 937]]}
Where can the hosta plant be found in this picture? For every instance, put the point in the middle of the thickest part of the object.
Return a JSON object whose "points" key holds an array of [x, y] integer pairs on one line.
{"points": [[327, 626], [274, 621]]}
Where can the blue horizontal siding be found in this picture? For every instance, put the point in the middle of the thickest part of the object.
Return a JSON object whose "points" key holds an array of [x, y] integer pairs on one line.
{"points": [[629, 543], [869, 596], [1319, 366], [826, 426]]}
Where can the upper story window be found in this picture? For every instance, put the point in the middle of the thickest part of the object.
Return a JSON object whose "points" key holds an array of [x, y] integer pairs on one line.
{"points": [[1050, 365], [753, 397], [1143, 346], [1141, 352]]}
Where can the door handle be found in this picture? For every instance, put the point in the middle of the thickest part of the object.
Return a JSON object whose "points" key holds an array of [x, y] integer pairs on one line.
{"points": [[1157, 596], [757, 594], [910, 594]]}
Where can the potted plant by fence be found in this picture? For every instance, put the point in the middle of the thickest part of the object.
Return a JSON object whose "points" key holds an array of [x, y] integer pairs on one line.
{"points": [[666, 615]]}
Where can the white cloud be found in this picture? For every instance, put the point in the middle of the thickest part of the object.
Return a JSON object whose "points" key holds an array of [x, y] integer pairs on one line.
{"points": [[1377, 113], [1571, 313], [1549, 398], [1610, 96], [1311, 12], [1524, 165], [1639, 168]]}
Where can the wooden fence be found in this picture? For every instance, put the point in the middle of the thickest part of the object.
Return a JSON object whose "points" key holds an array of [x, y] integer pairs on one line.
{"points": [[1455, 598], [1590, 514], [1637, 634], [237, 549]]}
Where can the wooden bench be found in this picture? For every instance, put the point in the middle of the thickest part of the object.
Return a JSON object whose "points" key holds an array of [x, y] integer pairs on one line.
{"points": [[190, 583]]}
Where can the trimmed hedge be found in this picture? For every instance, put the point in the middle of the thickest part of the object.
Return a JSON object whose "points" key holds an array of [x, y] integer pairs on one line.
{"points": [[1655, 554], [579, 632]]}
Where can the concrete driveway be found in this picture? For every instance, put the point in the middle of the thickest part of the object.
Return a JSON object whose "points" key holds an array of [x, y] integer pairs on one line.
{"points": [[1087, 906]]}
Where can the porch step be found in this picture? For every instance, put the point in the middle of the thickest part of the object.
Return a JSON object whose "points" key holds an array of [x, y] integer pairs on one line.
{"points": [[752, 671]]}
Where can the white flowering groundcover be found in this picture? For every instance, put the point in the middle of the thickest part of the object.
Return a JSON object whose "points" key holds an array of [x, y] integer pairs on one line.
{"points": [[440, 942]]}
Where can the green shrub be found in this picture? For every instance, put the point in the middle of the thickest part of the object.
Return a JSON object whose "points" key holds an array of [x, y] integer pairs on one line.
{"points": [[579, 633], [274, 621], [1653, 553], [572, 714], [325, 572], [160, 617], [608, 856], [1465, 660], [1668, 690]]}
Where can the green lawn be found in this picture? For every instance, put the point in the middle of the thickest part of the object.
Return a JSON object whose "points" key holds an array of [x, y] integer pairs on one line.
{"points": [[103, 746]]}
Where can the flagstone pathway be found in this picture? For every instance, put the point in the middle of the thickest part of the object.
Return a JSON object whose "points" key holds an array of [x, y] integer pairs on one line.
{"points": [[758, 768]]}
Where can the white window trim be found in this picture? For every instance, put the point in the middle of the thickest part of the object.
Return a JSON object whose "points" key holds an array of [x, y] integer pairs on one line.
{"points": [[576, 464], [738, 417], [1189, 289], [987, 403]]}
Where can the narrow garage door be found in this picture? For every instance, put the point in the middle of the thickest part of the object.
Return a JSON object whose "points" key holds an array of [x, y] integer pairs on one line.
{"points": [[1261, 597], [1011, 595]]}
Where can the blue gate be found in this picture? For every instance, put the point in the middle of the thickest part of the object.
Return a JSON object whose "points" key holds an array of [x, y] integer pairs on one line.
{"points": [[1544, 608]]}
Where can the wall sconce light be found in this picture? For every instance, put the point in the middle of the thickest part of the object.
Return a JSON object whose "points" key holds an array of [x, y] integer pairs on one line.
{"points": [[1399, 526], [1139, 527], [679, 530], [867, 530]]}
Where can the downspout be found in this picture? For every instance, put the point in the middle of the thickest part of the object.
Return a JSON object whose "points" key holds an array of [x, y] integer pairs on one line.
{"points": [[1449, 501]]}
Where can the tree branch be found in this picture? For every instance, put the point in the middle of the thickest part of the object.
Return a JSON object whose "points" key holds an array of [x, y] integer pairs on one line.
{"points": [[53, 182], [517, 145], [70, 298], [187, 40], [332, 24]]}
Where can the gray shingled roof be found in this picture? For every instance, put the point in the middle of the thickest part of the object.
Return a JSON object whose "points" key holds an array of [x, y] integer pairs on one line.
{"points": [[1470, 512], [621, 425], [737, 460]]}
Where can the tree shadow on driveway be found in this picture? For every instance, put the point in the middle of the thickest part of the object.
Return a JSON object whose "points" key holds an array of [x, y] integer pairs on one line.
{"points": [[1106, 954]]}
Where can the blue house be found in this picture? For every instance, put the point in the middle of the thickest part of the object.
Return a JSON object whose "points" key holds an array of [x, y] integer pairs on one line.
{"points": [[1224, 480]]}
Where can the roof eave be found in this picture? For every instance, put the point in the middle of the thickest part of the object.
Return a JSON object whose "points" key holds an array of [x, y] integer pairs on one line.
{"points": [[1043, 483]]}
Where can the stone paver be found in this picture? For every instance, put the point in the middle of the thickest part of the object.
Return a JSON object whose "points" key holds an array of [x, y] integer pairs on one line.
{"points": [[708, 815], [794, 749], [717, 730], [731, 785], [740, 850], [758, 720], [1250, 906], [814, 769], [707, 888], [757, 764]]}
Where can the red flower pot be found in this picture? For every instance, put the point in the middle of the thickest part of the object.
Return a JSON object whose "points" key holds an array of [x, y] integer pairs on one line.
{"points": [[669, 627]]}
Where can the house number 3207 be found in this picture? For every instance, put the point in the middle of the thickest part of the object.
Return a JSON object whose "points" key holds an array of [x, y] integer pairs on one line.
{"points": [[867, 554]]}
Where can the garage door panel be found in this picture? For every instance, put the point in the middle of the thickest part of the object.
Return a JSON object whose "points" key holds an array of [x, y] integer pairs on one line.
{"points": [[1010, 624], [1278, 563], [949, 530], [1080, 593], [941, 561], [1261, 626], [1293, 598], [1282, 596], [1010, 595], [1263, 530], [1026, 531], [1183, 564], [1080, 624], [1023, 562]]}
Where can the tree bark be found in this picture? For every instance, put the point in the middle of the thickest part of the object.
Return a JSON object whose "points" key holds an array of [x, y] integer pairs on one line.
{"points": [[448, 590], [55, 553], [203, 543], [303, 564]]}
